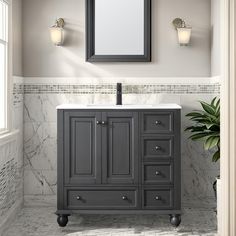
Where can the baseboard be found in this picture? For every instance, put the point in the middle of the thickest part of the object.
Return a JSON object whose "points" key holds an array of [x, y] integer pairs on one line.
{"points": [[10, 216]]}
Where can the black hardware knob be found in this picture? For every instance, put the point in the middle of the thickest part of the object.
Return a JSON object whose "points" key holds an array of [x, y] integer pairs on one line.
{"points": [[157, 198], [157, 173], [78, 198], [157, 148], [158, 122], [124, 198], [104, 122], [98, 122]]}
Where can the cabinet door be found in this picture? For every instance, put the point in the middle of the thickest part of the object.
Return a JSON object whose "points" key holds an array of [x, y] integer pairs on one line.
{"points": [[120, 148], [82, 158]]}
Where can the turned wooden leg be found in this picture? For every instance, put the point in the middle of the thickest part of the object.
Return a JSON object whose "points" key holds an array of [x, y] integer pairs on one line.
{"points": [[175, 220], [62, 220]]}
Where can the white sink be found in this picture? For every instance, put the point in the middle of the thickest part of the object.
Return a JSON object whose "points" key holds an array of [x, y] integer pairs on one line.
{"points": [[118, 106], [124, 106]]}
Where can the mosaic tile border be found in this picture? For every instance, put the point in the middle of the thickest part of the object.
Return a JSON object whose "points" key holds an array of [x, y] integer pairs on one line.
{"points": [[111, 89], [18, 94], [18, 88]]}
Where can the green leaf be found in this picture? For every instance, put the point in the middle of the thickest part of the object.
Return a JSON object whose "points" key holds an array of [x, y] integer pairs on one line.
{"points": [[200, 121], [210, 116], [208, 124], [198, 128], [194, 114], [211, 142], [208, 108], [215, 128], [199, 136], [216, 156], [213, 101], [218, 103]]}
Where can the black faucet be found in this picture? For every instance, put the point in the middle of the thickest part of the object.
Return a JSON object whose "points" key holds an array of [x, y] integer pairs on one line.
{"points": [[119, 94]]}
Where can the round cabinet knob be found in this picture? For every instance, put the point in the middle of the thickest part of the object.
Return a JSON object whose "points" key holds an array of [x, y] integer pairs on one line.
{"points": [[103, 122], [157, 173], [157, 198], [158, 122], [78, 198], [124, 198], [98, 122], [157, 148]]}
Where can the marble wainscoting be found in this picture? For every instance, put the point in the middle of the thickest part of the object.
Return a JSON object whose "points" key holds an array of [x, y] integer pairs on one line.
{"points": [[11, 161], [40, 134]]}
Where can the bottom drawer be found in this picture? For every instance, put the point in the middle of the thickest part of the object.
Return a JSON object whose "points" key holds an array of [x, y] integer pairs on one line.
{"points": [[160, 198], [104, 199]]}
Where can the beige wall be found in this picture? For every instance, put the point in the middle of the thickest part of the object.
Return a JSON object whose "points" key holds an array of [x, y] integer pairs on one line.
{"points": [[215, 42], [42, 59], [17, 37]]}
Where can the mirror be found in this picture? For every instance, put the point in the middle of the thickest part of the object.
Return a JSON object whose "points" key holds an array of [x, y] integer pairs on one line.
{"points": [[118, 30]]}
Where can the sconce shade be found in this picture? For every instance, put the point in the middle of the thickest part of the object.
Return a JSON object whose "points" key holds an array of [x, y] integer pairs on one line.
{"points": [[57, 35], [184, 35]]}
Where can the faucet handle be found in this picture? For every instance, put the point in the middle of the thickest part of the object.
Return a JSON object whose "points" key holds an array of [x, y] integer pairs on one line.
{"points": [[118, 94]]}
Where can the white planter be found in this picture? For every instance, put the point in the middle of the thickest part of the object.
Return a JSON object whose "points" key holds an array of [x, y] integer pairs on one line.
{"points": [[218, 191]]}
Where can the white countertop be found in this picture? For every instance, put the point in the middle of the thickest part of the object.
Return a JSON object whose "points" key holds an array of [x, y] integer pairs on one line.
{"points": [[119, 107]]}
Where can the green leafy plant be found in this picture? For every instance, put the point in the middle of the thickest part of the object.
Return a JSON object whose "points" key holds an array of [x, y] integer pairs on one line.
{"points": [[206, 126]]}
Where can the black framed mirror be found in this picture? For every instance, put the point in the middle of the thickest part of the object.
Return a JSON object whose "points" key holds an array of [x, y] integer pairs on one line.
{"points": [[118, 30]]}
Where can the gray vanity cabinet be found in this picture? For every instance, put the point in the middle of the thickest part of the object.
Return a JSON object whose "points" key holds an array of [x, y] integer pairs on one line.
{"points": [[119, 161]]}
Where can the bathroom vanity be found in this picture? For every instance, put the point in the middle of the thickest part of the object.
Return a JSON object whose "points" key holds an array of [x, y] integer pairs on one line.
{"points": [[119, 160]]}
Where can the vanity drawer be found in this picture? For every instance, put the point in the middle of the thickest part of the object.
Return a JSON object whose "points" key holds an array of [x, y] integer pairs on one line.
{"points": [[158, 173], [157, 122], [158, 198], [105, 199], [157, 147]]}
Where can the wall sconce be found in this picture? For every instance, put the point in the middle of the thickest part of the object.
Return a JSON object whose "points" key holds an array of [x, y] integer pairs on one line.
{"points": [[57, 32], [184, 32]]}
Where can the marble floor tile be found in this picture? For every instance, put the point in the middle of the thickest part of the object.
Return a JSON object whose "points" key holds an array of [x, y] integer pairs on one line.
{"points": [[41, 221]]}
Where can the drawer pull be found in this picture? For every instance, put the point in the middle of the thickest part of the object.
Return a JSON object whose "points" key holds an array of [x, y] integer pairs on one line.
{"points": [[157, 198], [78, 198], [124, 198], [158, 122], [158, 148], [157, 173]]}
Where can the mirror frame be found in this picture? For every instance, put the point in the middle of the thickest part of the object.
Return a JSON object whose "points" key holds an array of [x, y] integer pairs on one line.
{"points": [[90, 37]]}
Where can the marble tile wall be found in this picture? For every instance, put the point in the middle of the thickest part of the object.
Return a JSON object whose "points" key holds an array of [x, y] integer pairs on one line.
{"points": [[198, 172], [11, 160]]}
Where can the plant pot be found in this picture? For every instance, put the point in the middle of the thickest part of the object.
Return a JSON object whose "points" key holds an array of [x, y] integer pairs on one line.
{"points": [[215, 186], [218, 191]]}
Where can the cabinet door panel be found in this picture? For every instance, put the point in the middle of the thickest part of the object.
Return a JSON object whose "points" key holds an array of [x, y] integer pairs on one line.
{"points": [[83, 148], [120, 157]]}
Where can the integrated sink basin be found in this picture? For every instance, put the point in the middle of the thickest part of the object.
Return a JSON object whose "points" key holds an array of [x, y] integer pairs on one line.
{"points": [[114, 106], [124, 106]]}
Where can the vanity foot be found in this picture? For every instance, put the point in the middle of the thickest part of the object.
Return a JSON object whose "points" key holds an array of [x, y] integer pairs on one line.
{"points": [[175, 220], [62, 220]]}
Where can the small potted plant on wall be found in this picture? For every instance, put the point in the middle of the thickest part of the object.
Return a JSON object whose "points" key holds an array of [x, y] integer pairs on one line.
{"points": [[206, 128]]}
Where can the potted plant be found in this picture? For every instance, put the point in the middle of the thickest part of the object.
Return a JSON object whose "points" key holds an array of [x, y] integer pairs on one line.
{"points": [[206, 128]]}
